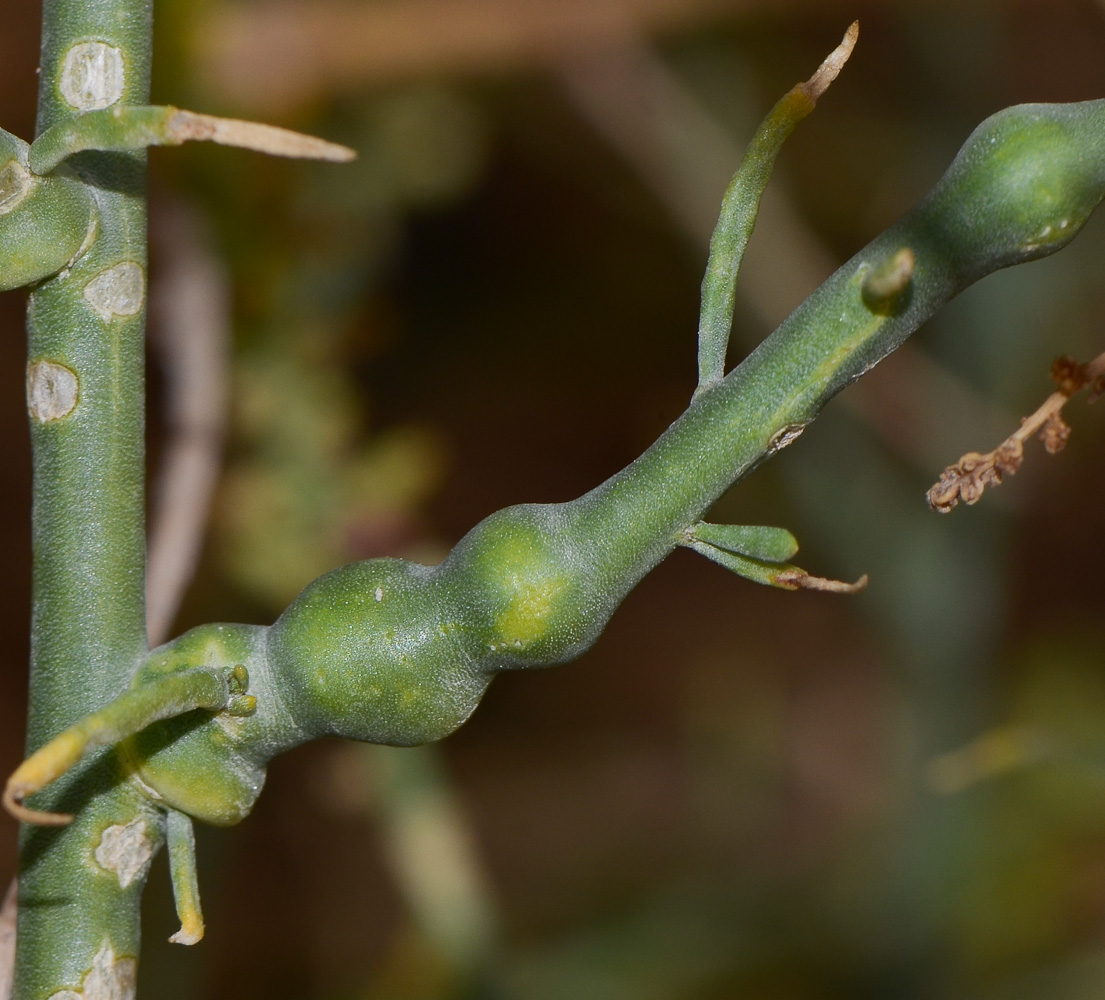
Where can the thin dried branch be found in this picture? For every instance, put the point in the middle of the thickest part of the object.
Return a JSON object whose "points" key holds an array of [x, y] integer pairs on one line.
{"points": [[994, 753], [968, 478], [8, 912], [192, 337], [431, 850], [288, 53]]}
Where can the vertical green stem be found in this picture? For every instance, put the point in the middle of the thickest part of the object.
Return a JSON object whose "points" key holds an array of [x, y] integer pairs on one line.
{"points": [[80, 885]]}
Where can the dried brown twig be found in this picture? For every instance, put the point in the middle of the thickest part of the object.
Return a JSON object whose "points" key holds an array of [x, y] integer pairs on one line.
{"points": [[969, 477], [192, 338], [7, 941]]}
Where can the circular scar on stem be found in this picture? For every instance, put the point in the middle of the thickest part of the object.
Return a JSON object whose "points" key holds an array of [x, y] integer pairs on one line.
{"points": [[91, 76], [112, 977], [118, 291], [52, 391], [15, 184]]}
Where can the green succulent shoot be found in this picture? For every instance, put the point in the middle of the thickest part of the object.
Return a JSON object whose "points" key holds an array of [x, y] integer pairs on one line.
{"points": [[391, 651]]}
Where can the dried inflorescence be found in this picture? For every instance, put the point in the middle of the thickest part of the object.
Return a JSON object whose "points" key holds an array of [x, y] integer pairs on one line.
{"points": [[1068, 375], [968, 478]]}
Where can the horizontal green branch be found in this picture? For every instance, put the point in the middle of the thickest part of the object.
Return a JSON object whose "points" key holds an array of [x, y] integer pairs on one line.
{"points": [[394, 652], [125, 128]]}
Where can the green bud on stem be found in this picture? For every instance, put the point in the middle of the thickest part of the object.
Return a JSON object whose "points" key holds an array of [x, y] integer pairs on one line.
{"points": [[44, 221]]}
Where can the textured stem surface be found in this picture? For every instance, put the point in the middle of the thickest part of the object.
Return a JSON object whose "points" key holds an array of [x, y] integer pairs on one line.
{"points": [[79, 886]]}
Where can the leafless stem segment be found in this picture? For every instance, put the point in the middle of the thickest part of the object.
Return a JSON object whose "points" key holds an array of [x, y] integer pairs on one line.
{"points": [[969, 477], [192, 338]]}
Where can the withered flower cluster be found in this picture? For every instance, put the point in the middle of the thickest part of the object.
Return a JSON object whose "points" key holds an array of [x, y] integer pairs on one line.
{"points": [[968, 478]]}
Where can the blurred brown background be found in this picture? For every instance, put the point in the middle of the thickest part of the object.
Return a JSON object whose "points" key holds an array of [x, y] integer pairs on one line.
{"points": [[733, 794]]}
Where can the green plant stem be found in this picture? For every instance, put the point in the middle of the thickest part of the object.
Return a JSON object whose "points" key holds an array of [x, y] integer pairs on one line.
{"points": [[1021, 188], [124, 129], [76, 917]]}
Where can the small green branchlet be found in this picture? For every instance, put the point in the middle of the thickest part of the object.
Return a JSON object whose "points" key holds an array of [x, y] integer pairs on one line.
{"points": [[48, 218]]}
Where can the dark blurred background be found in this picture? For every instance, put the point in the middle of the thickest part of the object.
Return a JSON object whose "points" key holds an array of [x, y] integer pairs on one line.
{"points": [[739, 793]]}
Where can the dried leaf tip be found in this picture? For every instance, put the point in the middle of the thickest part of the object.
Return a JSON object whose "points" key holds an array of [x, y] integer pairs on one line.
{"points": [[795, 579], [830, 69], [968, 478], [186, 125]]}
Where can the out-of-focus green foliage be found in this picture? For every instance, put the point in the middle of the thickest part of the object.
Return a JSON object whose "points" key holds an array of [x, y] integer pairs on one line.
{"points": [[305, 469]]}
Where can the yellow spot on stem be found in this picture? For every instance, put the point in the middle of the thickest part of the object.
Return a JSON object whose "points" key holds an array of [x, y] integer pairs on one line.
{"points": [[529, 613]]}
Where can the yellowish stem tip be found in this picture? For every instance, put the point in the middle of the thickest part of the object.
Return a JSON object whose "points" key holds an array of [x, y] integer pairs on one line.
{"points": [[45, 765], [830, 69], [13, 803], [191, 929]]}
